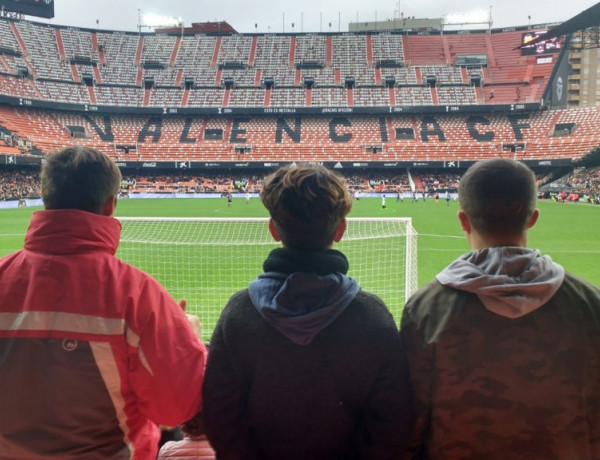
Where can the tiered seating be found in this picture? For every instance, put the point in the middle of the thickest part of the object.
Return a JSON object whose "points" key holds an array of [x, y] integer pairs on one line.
{"points": [[371, 97], [349, 54], [206, 97], [335, 138], [124, 59], [195, 57], [120, 52], [455, 95], [425, 50], [273, 58], [364, 76], [78, 43], [166, 97], [8, 64], [245, 77], [329, 97], [157, 50], [64, 92], [444, 74], [235, 48], [287, 97], [403, 76], [466, 44], [283, 76], [44, 58], [388, 47], [19, 87], [251, 97], [119, 95], [311, 47], [162, 77], [7, 39], [323, 77], [409, 95], [272, 51]]}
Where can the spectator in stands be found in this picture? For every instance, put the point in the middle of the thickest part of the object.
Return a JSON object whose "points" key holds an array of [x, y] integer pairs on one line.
{"points": [[18, 184], [194, 444], [504, 346], [304, 364], [93, 352]]}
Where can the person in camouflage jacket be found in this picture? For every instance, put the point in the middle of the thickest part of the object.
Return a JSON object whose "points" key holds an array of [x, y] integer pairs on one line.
{"points": [[504, 345]]}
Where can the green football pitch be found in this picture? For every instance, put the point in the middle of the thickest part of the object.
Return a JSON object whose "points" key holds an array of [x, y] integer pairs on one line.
{"points": [[568, 232]]}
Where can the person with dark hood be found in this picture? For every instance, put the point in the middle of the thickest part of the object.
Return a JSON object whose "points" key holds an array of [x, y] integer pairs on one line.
{"points": [[503, 345], [303, 364]]}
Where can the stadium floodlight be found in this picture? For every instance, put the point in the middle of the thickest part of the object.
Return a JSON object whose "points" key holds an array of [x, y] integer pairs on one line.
{"points": [[206, 260], [471, 18], [153, 20]]}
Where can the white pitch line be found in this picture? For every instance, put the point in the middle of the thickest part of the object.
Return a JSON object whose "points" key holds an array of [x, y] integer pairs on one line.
{"points": [[443, 236]]}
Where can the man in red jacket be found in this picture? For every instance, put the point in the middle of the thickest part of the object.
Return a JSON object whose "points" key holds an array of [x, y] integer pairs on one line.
{"points": [[94, 353]]}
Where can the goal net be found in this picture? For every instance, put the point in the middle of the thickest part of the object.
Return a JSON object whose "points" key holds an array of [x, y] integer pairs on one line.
{"points": [[206, 260]]}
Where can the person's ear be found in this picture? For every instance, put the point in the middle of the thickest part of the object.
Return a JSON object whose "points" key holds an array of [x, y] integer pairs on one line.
{"points": [[465, 223], [273, 231], [533, 219], [109, 207], [340, 230]]}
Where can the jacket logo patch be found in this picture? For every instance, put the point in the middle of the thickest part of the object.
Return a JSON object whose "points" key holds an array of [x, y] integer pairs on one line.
{"points": [[69, 344]]}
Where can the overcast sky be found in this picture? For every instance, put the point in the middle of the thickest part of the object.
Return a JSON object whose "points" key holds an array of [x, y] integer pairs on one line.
{"points": [[307, 15]]}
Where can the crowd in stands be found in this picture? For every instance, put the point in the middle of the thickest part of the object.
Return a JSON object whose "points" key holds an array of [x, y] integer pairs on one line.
{"points": [[19, 184], [583, 183], [440, 181], [219, 183]]}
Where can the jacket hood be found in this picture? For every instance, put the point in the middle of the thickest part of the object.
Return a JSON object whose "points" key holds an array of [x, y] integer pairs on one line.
{"points": [[71, 231], [509, 281], [302, 291], [301, 305]]}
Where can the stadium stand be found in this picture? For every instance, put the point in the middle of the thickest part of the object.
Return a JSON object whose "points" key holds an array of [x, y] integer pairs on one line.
{"points": [[339, 138], [129, 61], [210, 98]]}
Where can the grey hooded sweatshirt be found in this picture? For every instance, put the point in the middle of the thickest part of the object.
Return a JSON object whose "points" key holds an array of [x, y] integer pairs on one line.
{"points": [[509, 281]]}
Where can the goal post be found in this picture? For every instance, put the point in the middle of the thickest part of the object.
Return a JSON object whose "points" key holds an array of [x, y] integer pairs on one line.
{"points": [[206, 260]]}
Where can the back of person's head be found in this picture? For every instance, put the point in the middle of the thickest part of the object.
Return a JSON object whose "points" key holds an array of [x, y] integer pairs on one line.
{"points": [[79, 178], [498, 196], [307, 204]]}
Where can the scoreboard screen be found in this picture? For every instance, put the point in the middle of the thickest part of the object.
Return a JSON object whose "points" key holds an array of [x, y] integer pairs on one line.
{"points": [[552, 45], [38, 8]]}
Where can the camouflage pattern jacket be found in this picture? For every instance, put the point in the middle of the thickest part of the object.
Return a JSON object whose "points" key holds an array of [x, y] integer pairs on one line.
{"points": [[504, 356]]}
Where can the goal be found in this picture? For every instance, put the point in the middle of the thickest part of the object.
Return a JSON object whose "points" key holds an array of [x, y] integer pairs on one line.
{"points": [[206, 260]]}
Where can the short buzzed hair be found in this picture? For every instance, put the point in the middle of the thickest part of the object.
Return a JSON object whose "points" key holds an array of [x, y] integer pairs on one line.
{"points": [[79, 178], [306, 204], [499, 196]]}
